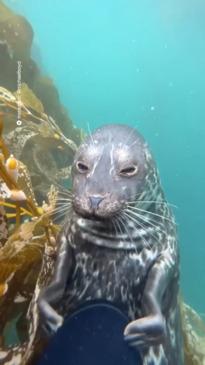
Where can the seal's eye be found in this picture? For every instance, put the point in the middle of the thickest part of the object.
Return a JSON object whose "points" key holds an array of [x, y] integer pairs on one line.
{"points": [[81, 167], [129, 171]]}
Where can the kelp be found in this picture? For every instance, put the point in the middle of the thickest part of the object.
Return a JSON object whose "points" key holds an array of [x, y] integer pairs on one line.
{"points": [[26, 259], [3, 226], [38, 142], [34, 155], [14, 176], [194, 336], [27, 263]]}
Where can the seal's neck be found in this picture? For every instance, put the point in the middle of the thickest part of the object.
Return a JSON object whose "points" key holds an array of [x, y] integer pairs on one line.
{"points": [[115, 233]]}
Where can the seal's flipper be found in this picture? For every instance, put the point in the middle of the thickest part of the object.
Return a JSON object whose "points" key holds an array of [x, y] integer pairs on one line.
{"points": [[147, 331], [52, 294]]}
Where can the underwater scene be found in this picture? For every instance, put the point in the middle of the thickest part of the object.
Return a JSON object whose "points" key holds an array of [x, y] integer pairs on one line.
{"points": [[80, 83]]}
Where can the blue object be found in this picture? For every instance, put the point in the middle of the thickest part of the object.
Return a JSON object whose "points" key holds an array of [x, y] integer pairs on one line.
{"points": [[93, 335]]}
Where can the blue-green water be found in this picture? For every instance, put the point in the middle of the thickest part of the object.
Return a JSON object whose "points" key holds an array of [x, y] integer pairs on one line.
{"points": [[140, 63]]}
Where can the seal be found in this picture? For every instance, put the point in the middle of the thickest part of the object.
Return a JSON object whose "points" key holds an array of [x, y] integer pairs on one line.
{"points": [[119, 244]]}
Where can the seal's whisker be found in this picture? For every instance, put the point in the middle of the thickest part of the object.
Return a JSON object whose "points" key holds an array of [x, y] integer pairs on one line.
{"points": [[61, 188], [61, 203], [143, 227], [56, 210], [60, 209], [61, 214], [142, 237], [154, 214], [135, 221], [114, 225], [63, 200], [153, 201], [129, 136], [68, 197], [149, 221], [154, 225], [146, 218], [118, 225], [128, 233], [133, 143], [89, 133], [62, 206], [158, 202], [120, 228], [64, 196], [65, 192], [124, 226]]}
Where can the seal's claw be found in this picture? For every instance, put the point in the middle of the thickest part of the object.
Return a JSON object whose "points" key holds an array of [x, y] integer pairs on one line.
{"points": [[136, 340], [49, 318], [52, 324], [146, 331]]}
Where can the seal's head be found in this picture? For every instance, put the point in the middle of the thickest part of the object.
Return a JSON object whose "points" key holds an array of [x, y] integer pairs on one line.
{"points": [[110, 169]]}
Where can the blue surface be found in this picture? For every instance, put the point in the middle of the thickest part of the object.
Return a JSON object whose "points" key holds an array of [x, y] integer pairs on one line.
{"points": [[93, 335]]}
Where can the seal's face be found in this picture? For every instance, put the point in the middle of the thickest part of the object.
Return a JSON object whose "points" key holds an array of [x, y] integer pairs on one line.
{"points": [[108, 171]]}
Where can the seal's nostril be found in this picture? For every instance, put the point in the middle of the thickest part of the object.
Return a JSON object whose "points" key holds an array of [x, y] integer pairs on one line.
{"points": [[95, 201]]}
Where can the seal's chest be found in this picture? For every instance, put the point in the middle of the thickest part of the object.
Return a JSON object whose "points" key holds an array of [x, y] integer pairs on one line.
{"points": [[106, 274]]}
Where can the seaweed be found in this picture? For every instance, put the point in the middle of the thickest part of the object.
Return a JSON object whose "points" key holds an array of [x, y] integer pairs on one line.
{"points": [[3, 230], [25, 245], [35, 158], [38, 142], [194, 335]]}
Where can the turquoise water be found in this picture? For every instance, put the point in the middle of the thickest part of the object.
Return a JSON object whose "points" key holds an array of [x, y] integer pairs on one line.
{"points": [[140, 63]]}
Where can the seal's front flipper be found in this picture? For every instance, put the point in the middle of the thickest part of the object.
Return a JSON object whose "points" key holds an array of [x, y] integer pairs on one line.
{"points": [[151, 328], [50, 320], [147, 331]]}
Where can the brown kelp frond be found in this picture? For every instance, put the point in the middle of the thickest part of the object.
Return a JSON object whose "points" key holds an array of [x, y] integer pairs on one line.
{"points": [[37, 141], [32, 112], [14, 178], [3, 227], [194, 336], [22, 353], [25, 245], [21, 261], [35, 153], [22, 258]]}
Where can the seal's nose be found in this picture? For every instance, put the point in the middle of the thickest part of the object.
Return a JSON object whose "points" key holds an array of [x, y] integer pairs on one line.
{"points": [[95, 201]]}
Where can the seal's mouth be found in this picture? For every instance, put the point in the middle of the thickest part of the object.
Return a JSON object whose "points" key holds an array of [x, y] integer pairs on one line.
{"points": [[107, 212], [95, 216]]}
